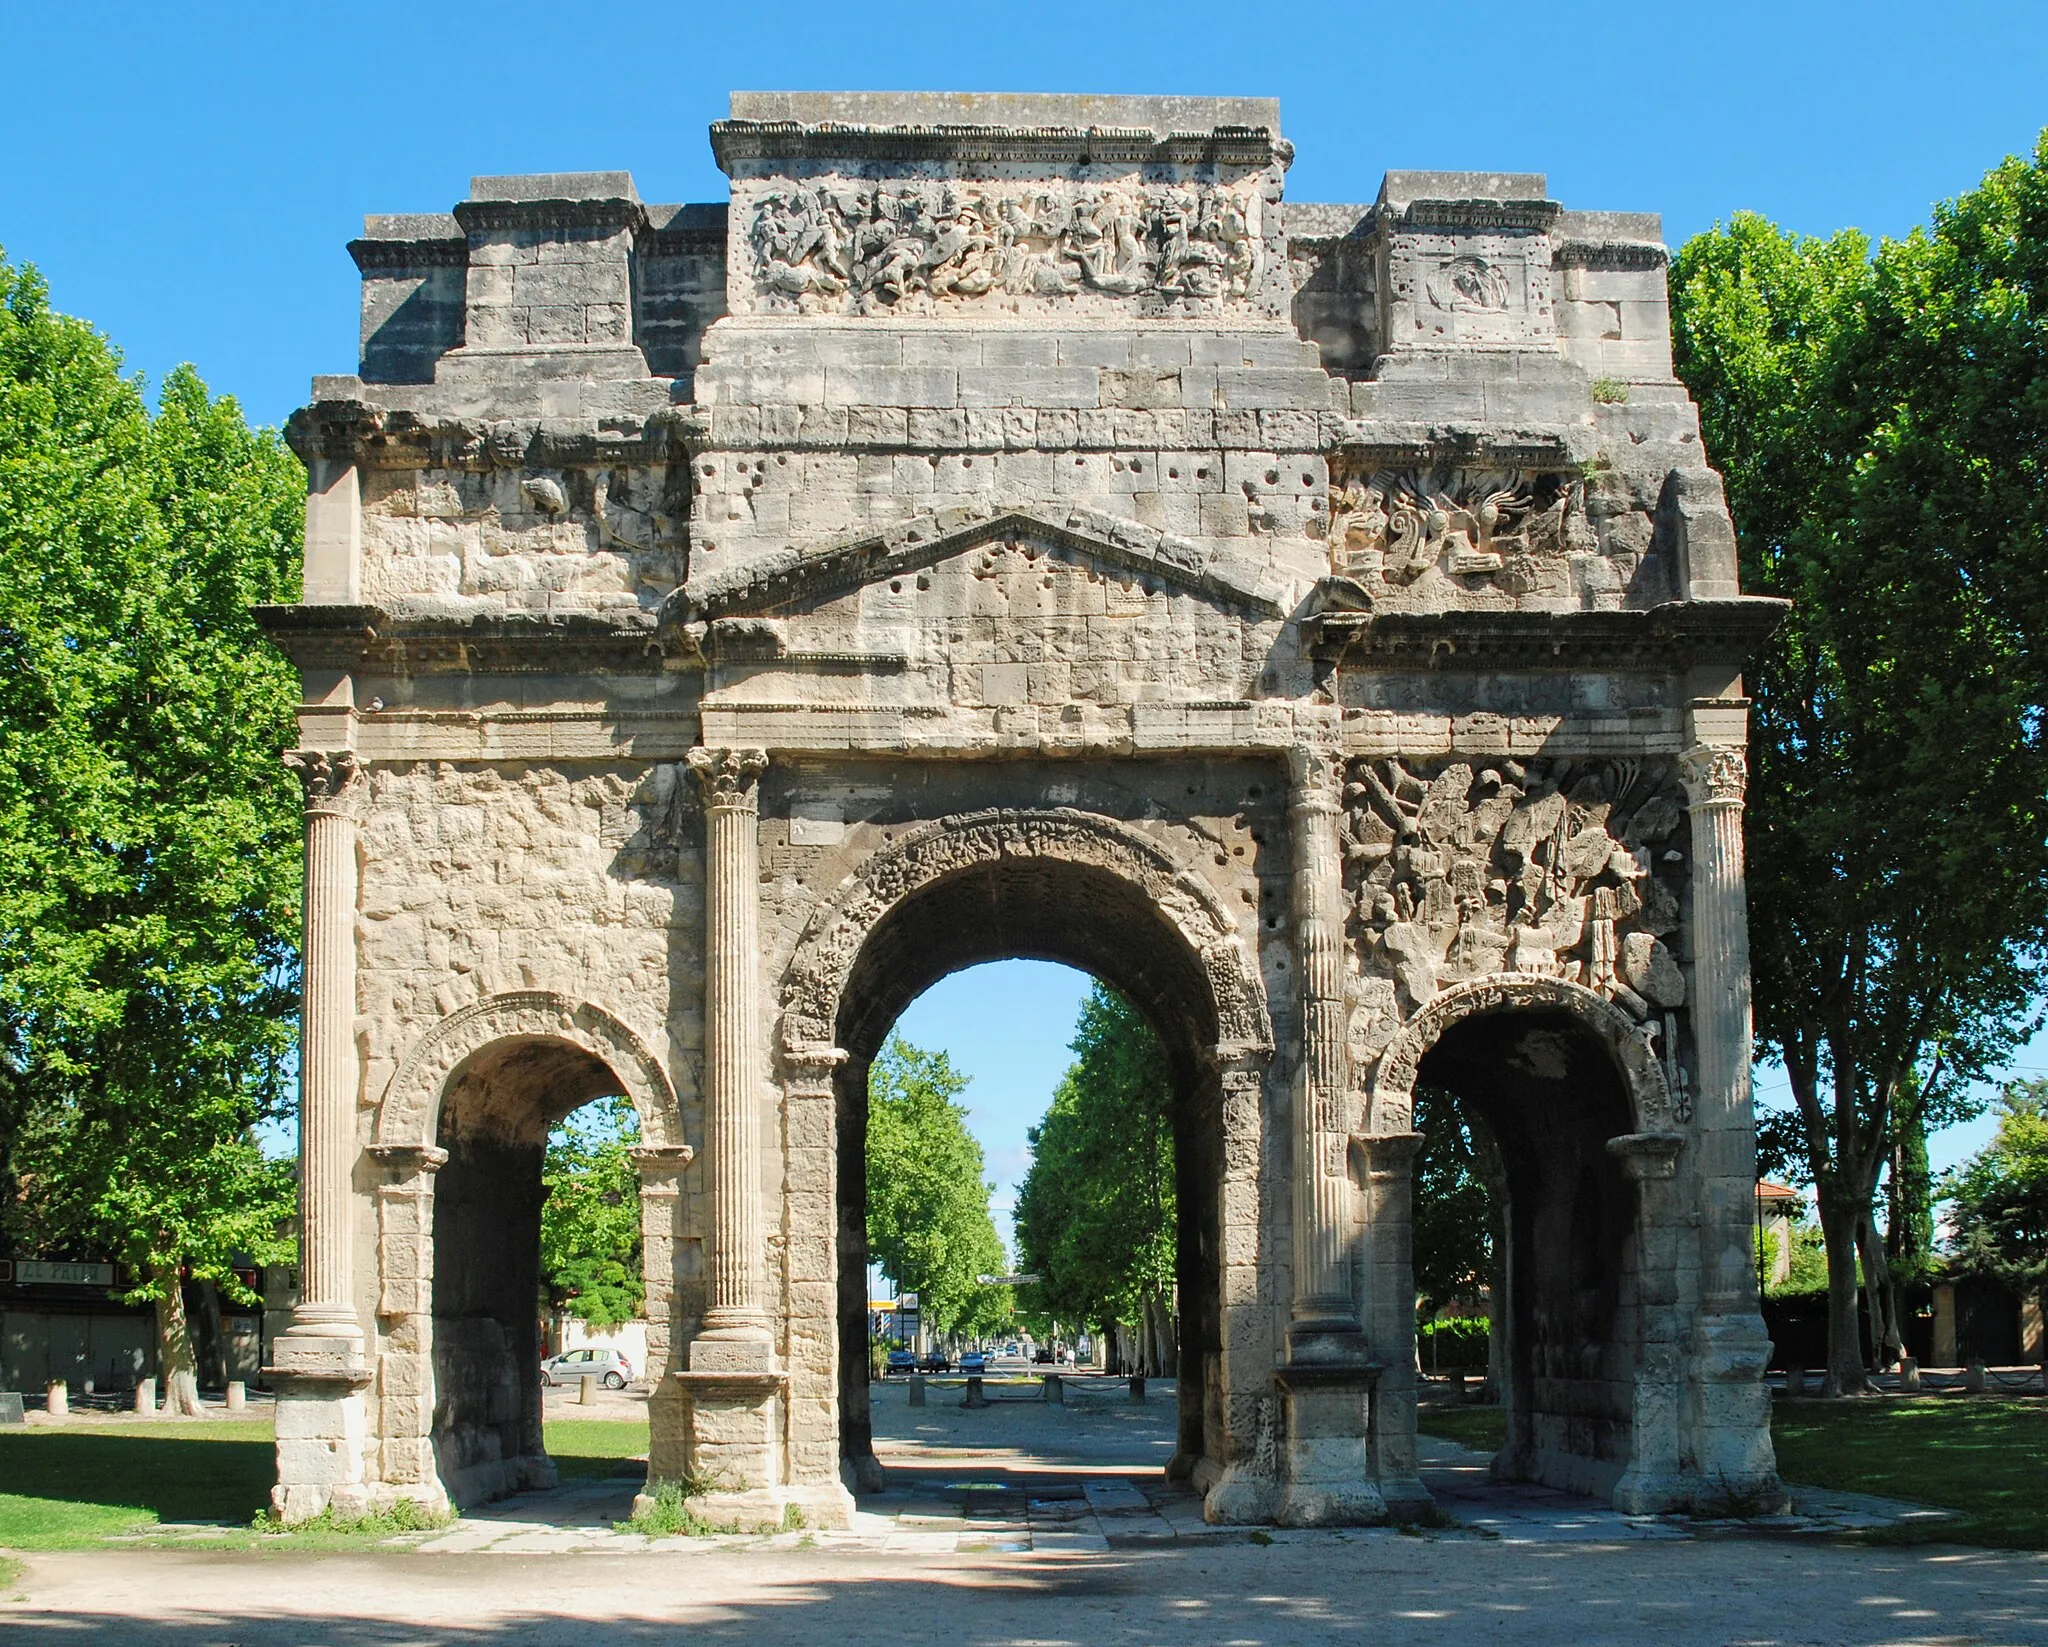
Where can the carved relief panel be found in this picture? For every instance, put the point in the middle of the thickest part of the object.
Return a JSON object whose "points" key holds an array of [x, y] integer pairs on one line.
{"points": [[1567, 869], [1516, 528], [844, 244]]}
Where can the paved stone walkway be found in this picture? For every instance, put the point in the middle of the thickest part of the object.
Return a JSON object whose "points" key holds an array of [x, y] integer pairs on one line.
{"points": [[1024, 1478]]}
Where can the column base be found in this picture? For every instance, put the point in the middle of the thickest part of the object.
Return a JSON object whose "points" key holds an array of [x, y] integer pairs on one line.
{"points": [[323, 1428], [1242, 1496], [1326, 1458], [732, 1424]]}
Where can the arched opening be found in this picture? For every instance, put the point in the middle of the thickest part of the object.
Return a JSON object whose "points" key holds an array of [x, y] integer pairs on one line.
{"points": [[497, 1110], [1097, 921], [1547, 1094]]}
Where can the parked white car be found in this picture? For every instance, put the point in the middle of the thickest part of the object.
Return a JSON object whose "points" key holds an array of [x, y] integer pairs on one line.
{"points": [[606, 1365]]}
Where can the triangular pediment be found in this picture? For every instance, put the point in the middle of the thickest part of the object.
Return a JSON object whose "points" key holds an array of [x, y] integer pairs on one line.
{"points": [[801, 576]]}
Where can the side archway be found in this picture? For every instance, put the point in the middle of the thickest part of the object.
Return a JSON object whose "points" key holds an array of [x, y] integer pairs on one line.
{"points": [[460, 1138], [1575, 1110], [409, 1113], [1391, 1106]]}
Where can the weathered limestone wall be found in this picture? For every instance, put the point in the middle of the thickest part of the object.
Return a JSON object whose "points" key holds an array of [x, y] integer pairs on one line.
{"points": [[1028, 533]]}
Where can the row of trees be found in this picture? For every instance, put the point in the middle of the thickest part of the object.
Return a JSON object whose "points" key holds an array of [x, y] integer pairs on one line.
{"points": [[1881, 417], [1096, 1213], [149, 837], [928, 1219]]}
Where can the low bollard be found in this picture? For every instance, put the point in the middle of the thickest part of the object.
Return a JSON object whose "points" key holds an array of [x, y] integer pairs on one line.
{"points": [[586, 1391], [145, 1395], [1138, 1387], [917, 1390], [1909, 1375], [238, 1395], [57, 1399], [1973, 1378], [1055, 1390], [974, 1396]]}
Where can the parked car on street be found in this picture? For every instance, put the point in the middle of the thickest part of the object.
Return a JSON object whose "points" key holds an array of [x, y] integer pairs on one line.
{"points": [[935, 1361], [974, 1362], [900, 1361], [1042, 1356], [608, 1366]]}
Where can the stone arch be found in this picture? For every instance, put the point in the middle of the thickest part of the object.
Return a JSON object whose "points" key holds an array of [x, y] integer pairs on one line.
{"points": [[927, 853], [989, 880], [1392, 1105], [409, 1112]]}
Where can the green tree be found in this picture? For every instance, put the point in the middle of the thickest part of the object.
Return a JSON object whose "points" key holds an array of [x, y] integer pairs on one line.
{"points": [[1096, 1213], [590, 1223], [149, 837], [1454, 1206], [2001, 1197], [928, 1220], [1898, 801]]}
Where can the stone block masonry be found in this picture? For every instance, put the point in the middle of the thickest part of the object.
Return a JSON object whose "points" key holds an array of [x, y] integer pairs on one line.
{"points": [[1007, 525]]}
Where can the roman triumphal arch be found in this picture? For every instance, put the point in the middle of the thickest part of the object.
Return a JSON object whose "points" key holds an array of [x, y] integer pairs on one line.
{"points": [[1007, 526]]}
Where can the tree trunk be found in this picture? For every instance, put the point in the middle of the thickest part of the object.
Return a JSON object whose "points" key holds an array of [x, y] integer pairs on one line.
{"points": [[213, 1335], [1160, 1346], [1845, 1373], [175, 1362], [1887, 1342]]}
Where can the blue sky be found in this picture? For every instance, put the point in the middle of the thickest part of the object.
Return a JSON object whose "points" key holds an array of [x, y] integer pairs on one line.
{"points": [[187, 176]]}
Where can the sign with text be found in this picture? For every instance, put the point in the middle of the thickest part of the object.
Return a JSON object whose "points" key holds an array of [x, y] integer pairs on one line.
{"points": [[45, 1272]]}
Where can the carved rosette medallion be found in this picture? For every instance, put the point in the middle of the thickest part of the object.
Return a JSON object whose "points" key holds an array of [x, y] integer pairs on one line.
{"points": [[333, 780], [731, 777], [1714, 775]]}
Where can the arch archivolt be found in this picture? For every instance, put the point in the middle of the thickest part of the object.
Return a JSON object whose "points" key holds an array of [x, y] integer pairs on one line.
{"points": [[1391, 1099], [928, 853], [409, 1113]]}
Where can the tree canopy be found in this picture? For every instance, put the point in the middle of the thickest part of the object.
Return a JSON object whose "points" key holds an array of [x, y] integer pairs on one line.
{"points": [[1879, 416], [2001, 1196], [928, 1219], [590, 1222], [149, 838], [1096, 1214]]}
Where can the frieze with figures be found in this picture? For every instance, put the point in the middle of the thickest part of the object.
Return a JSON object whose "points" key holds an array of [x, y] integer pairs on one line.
{"points": [[850, 246]]}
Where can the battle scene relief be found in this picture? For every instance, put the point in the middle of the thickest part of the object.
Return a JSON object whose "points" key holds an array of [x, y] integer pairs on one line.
{"points": [[845, 245], [1560, 869]]}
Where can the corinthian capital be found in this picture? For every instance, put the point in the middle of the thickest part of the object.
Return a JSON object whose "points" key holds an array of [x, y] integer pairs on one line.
{"points": [[1316, 776], [331, 778], [731, 777], [1713, 773]]}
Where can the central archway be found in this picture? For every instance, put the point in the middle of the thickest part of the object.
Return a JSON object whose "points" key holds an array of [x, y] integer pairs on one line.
{"points": [[1091, 893]]}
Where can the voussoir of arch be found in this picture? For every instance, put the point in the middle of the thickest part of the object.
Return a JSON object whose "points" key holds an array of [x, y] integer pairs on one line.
{"points": [[927, 853], [409, 1113], [1393, 1088]]}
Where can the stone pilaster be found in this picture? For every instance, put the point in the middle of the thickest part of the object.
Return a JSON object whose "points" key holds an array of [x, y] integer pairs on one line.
{"points": [[1389, 1159], [736, 1322], [318, 1366], [661, 1193], [1730, 1348], [818, 1483], [1324, 1322], [405, 1311], [1655, 1479]]}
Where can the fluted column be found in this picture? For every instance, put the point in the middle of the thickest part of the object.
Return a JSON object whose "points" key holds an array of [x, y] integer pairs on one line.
{"points": [[1731, 1440], [1323, 1303], [1715, 781], [325, 1331], [731, 780]]}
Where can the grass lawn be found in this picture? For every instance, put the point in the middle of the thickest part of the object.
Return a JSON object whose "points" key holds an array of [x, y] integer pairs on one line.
{"points": [[70, 1487], [1985, 1459]]}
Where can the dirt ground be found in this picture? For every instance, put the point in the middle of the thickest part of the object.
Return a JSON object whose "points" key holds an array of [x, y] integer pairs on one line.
{"points": [[1559, 1585]]}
